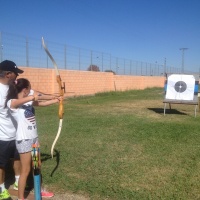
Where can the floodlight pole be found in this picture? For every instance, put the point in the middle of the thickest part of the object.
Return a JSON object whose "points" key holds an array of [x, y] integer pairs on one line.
{"points": [[165, 70], [183, 49]]}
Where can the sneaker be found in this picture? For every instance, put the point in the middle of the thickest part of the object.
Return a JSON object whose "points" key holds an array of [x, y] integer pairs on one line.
{"points": [[4, 195], [15, 186], [46, 194]]}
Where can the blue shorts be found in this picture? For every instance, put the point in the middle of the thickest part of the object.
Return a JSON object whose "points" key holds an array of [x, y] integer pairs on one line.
{"points": [[7, 151]]}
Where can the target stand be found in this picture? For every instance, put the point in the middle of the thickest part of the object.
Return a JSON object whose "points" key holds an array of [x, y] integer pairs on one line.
{"points": [[165, 105], [181, 89]]}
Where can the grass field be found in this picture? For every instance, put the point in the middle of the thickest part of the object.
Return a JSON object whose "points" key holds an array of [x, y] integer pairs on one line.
{"points": [[119, 146]]}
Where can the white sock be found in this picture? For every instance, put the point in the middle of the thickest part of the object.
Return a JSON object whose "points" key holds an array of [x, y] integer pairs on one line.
{"points": [[2, 187], [17, 179]]}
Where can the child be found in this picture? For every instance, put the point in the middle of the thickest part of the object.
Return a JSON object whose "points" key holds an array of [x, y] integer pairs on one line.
{"points": [[20, 104]]}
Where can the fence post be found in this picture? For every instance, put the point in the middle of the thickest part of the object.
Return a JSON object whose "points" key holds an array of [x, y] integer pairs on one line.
{"points": [[102, 61], [1, 47], [146, 68], [65, 56], [124, 66], [79, 59], [117, 67], [91, 59], [110, 62], [136, 71], [27, 53]]}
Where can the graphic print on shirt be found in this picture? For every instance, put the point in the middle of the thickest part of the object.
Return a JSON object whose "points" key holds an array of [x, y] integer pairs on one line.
{"points": [[29, 113]]}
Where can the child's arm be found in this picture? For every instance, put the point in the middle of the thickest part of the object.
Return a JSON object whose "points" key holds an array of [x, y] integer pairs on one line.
{"points": [[15, 103], [47, 103], [44, 96]]}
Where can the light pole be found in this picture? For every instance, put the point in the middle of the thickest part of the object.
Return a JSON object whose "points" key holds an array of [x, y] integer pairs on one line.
{"points": [[165, 71], [183, 49]]}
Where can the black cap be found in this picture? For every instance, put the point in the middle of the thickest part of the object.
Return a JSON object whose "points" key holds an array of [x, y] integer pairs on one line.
{"points": [[10, 66]]}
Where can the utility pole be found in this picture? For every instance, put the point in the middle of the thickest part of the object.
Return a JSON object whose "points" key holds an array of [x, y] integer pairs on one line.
{"points": [[183, 49], [165, 70]]}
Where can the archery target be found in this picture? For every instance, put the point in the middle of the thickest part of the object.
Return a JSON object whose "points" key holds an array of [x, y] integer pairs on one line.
{"points": [[180, 87]]}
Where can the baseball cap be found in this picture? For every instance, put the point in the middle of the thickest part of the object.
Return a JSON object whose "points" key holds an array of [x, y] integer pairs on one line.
{"points": [[8, 65]]}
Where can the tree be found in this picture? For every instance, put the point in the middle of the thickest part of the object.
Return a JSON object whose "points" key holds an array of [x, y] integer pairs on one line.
{"points": [[94, 68]]}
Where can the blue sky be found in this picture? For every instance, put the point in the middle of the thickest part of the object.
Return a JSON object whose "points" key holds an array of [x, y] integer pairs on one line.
{"points": [[142, 30]]}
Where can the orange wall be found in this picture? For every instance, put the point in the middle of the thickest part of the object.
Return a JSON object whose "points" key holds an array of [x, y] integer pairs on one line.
{"points": [[86, 82]]}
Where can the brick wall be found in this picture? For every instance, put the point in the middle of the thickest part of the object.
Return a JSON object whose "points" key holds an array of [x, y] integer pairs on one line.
{"points": [[86, 82]]}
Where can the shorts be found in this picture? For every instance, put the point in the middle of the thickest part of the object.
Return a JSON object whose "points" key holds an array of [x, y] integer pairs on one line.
{"points": [[7, 151], [24, 146]]}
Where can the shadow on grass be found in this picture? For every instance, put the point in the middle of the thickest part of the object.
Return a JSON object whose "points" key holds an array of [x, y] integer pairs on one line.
{"points": [[56, 156], [167, 111]]}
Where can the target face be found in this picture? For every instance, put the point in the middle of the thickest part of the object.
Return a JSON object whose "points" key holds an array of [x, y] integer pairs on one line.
{"points": [[180, 87]]}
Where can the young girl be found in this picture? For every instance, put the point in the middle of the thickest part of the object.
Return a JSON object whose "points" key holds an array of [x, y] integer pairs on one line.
{"points": [[20, 104]]}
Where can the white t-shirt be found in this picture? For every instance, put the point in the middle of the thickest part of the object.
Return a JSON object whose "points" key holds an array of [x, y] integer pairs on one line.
{"points": [[7, 123], [25, 118]]}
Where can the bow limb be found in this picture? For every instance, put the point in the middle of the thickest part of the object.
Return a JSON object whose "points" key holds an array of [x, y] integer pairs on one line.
{"points": [[61, 92], [57, 136]]}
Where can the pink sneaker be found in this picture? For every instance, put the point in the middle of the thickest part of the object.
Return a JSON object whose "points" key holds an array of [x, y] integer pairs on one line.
{"points": [[46, 194]]}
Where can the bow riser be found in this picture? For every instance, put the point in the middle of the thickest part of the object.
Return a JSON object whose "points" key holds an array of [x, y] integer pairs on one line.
{"points": [[61, 91]]}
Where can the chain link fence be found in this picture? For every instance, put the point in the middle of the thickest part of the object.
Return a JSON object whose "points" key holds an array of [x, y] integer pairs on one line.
{"points": [[28, 52]]}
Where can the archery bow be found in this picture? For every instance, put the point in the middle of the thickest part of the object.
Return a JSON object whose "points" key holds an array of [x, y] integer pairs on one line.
{"points": [[61, 92]]}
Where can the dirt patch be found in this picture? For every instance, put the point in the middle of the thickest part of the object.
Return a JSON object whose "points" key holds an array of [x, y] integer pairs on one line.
{"points": [[66, 196]]}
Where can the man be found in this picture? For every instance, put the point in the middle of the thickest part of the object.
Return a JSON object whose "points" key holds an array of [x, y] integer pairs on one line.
{"points": [[8, 73]]}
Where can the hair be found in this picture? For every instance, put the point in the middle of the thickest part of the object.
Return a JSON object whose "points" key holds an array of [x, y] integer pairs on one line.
{"points": [[2, 73], [15, 88]]}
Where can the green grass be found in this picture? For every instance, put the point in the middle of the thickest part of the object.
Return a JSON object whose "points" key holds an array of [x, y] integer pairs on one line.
{"points": [[119, 146]]}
